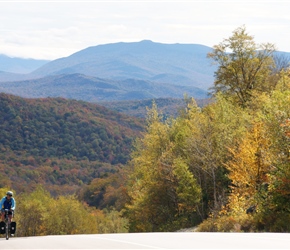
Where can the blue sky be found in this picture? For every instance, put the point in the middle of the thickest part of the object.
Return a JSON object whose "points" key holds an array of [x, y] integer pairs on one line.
{"points": [[53, 29]]}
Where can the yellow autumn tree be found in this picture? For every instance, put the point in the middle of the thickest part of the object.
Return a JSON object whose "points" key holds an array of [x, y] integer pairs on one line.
{"points": [[67, 215], [32, 212], [248, 170]]}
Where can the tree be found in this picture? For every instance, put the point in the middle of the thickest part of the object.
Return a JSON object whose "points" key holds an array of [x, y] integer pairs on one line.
{"points": [[243, 65], [163, 192], [249, 169], [110, 221], [67, 215], [275, 111], [33, 210], [212, 130], [106, 191]]}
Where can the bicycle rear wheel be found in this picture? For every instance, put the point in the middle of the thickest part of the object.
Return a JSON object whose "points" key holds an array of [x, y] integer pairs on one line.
{"points": [[7, 231]]}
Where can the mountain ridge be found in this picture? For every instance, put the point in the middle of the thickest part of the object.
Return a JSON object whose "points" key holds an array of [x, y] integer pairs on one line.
{"points": [[92, 89], [140, 60], [178, 64], [120, 71], [19, 65]]}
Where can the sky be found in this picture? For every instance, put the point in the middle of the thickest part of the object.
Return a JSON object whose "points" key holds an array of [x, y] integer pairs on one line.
{"points": [[54, 29]]}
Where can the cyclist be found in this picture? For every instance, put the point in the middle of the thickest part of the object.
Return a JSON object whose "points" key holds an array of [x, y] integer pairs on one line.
{"points": [[8, 202]]}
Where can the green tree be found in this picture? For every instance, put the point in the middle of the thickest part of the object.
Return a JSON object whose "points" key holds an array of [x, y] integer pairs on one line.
{"points": [[243, 65], [163, 192], [111, 221], [275, 113]]}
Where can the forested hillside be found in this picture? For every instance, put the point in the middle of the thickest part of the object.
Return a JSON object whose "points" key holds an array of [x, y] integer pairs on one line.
{"points": [[61, 143]]}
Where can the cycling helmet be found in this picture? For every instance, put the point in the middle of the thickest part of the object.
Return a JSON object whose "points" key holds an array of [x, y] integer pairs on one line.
{"points": [[9, 193]]}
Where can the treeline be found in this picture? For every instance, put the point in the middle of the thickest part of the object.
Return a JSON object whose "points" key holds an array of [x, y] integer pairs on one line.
{"points": [[225, 167], [58, 176], [138, 108]]}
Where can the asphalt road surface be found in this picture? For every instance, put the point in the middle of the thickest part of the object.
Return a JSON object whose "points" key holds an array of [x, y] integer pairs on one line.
{"points": [[192, 240]]}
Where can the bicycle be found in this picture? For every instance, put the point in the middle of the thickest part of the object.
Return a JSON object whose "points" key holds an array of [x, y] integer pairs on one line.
{"points": [[7, 227]]}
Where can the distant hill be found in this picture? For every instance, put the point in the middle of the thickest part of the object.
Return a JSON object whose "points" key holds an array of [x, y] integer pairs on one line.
{"points": [[19, 65], [92, 89], [61, 143], [7, 76], [178, 64]]}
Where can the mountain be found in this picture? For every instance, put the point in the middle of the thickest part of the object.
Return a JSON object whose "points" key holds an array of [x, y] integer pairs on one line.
{"points": [[92, 89], [177, 64], [19, 65], [61, 143], [174, 64]]}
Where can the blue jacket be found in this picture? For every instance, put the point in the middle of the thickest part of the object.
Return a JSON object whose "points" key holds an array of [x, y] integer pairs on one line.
{"points": [[7, 204]]}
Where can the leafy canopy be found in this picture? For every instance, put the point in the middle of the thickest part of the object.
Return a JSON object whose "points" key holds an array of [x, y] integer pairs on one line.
{"points": [[243, 65]]}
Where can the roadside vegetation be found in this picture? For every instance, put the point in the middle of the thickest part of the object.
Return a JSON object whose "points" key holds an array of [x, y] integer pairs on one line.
{"points": [[225, 167], [38, 214]]}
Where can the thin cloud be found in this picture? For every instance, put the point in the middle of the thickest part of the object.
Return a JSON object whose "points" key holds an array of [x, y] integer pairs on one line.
{"points": [[53, 29]]}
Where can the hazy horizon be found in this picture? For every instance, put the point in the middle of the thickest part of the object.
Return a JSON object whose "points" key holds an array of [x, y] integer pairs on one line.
{"points": [[54, 29]]}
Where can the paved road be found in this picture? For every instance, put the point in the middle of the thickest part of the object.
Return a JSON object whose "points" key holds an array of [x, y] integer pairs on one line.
{"points": [[152, 241]]}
